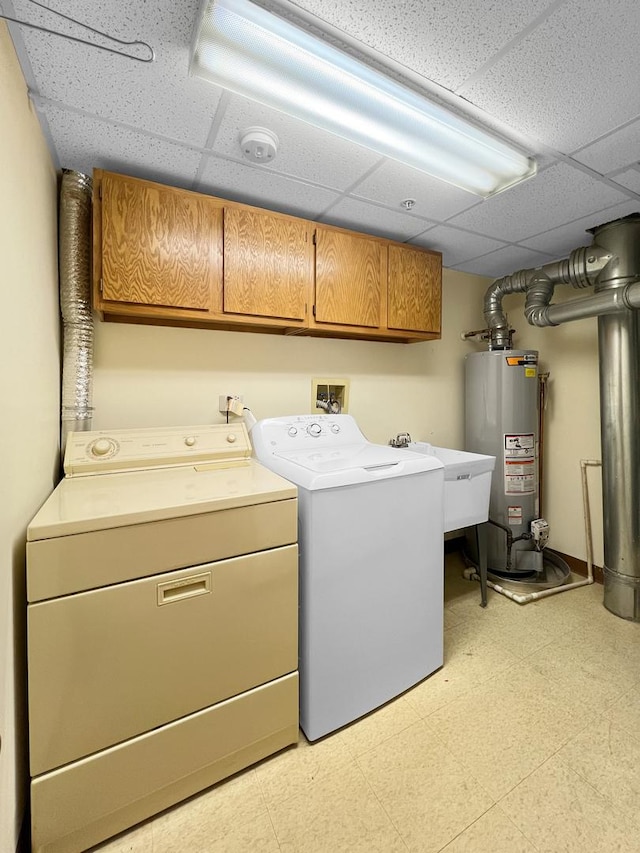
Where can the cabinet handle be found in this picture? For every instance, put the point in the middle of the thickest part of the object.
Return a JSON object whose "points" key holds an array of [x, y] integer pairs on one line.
{"points": [[187, 588]]}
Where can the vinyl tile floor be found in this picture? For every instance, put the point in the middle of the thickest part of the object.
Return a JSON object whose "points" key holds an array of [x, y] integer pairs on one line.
{"points": [[526, 741]]}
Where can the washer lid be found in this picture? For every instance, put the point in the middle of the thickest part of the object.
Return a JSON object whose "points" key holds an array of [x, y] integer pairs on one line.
{"points": [[323, 460], [330, 467]]}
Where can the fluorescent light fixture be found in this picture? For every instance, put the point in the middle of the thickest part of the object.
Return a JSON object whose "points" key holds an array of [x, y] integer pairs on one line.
{"points": [[244, 48]]}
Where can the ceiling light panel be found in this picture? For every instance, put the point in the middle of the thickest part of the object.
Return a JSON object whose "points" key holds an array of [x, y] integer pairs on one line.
{"points": [[260, 56]]}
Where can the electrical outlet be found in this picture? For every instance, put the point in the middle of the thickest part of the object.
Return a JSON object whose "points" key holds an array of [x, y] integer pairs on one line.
{"points": [[230, 404]]}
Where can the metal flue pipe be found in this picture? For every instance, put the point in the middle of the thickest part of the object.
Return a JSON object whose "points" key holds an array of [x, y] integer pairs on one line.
{"points": [[619, 347], [580, 269], [612, 266]]}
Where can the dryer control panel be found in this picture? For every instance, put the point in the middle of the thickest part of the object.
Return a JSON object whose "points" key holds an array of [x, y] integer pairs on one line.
{"points": [[106, 451]]}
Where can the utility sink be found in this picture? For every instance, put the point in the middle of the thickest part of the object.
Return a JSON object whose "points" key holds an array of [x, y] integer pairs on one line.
{"points": [[467, 484]]}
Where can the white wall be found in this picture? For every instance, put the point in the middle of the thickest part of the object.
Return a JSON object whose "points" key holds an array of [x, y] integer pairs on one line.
{"points": [[151, 375], [29, 369]]}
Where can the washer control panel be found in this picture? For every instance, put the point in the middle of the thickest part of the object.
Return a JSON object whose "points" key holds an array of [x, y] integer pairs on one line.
{"points": [[302, 431], [108, 451]]}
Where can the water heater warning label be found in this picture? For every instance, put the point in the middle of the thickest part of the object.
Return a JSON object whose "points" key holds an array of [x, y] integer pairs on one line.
{"points": [[514, 515], [519, 464], [522, 360]]}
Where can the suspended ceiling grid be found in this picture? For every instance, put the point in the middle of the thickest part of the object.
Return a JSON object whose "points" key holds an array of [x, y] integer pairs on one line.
{"points": [[559, 77]]}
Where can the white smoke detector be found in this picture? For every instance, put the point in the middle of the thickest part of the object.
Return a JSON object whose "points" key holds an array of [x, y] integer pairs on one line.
{"points": [[259, 144]]}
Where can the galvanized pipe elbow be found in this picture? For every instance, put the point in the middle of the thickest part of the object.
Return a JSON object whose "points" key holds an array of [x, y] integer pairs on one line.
{"points": [[539, 296], [494, 315]]}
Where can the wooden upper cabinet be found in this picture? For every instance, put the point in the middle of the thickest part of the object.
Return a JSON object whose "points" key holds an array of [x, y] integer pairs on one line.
{"points": [[267, 264], [167, 255], [414, 289], [350, 271], [160, 246]]}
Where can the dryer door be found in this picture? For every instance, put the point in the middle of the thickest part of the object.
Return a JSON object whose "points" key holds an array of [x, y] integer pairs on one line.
{"points": [[111, 663]]}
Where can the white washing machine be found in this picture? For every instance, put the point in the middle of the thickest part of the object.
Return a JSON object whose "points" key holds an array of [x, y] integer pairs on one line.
{"points": [[371, 564], [162, 585]]}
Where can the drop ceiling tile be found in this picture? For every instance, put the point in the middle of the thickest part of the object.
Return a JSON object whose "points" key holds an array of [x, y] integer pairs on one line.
{"points": [[619, 149], [360, 216], [504, 262], [84, 143], [260, 187], [629, 179], [158, 96], [304, 151], [392, 182], [569, 81], [456, 246], [562, 240], [558, 194], [419, 34]]}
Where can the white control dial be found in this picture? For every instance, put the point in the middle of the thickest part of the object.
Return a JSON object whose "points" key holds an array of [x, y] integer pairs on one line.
{"points": [[102, 447], [314, 430], [292, 431], [335, 427], [190, 440]]}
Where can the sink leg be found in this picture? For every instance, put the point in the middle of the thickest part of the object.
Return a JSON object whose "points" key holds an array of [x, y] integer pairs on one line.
{"points": [[481, 542]]}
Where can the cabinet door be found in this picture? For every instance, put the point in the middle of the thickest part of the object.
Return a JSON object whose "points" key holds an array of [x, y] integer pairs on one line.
{"points": [[267, 264], [414, 289], [160, 245], [349, 276]]}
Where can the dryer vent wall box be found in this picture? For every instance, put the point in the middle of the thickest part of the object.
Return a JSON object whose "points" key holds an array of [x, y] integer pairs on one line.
{"points": [[179, 516], [371, 564]]}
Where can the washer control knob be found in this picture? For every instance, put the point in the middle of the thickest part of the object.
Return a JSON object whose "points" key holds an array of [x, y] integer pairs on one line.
{"points": [[292, 431], [335, 427], [101, 447], [314, 430], [190, 440], [231, 438]]}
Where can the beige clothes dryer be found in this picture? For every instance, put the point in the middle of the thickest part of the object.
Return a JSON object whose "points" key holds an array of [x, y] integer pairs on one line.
{"points": [[162, 626]]}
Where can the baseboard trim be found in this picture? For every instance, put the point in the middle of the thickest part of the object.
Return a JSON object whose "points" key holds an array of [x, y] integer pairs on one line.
{"points": [[579, 567]]}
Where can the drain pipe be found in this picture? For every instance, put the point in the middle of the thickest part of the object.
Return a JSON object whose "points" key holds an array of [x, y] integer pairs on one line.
{"points": [[526, 597], [584, 464], [75, 303]]}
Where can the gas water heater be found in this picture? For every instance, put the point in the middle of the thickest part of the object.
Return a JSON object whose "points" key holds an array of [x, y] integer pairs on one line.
{"points": [[501, 420]]}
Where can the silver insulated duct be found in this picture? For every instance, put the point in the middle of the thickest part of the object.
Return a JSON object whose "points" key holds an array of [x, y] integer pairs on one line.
{"points": [[611, 265], [75, 303]]}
